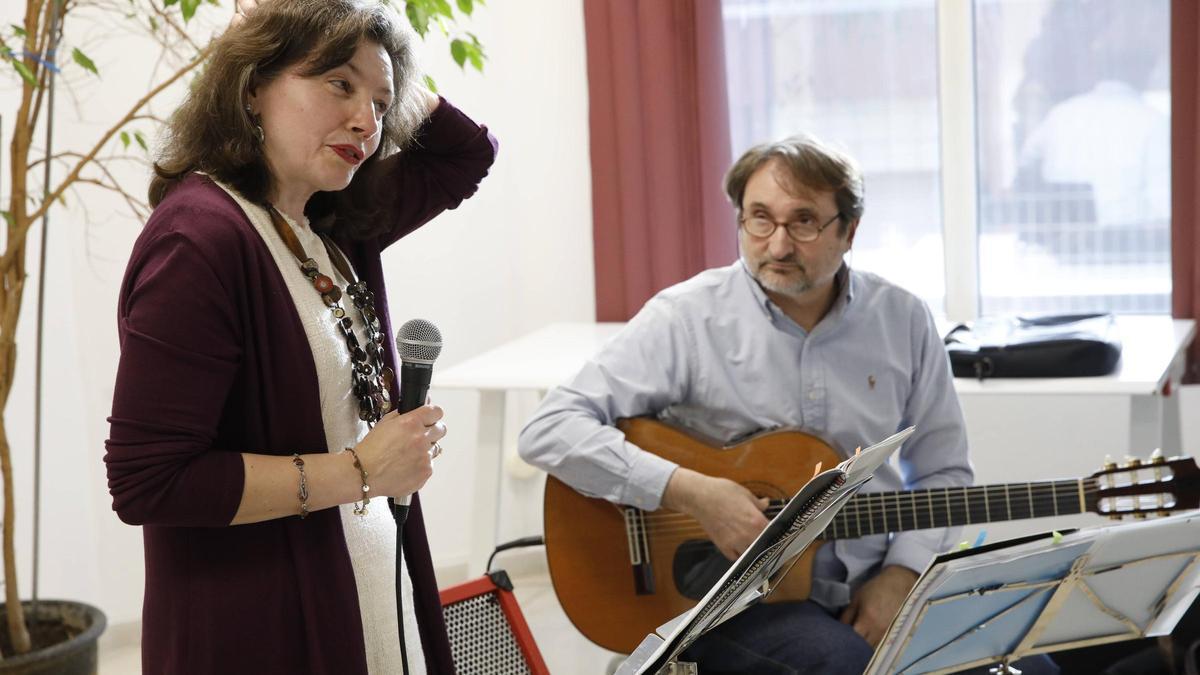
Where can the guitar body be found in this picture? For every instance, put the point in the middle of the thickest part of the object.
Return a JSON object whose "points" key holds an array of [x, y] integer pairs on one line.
{"points": [[588, 547]]}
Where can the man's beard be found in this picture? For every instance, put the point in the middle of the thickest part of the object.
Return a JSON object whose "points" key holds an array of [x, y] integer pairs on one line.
{"points": [[793, 284]]}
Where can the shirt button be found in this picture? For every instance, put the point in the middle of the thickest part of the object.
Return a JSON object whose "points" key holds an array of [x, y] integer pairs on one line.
{"points": [[813, 395]]}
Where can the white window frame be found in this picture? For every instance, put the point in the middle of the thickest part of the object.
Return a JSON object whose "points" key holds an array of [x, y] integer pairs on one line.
{"points": [[958, 136]]}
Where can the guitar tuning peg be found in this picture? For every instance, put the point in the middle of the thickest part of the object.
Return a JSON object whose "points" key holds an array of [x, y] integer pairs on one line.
{"points": [[1139, 515], [1163, 514], [1109, 463], [1115, 516], [1157, 457], [1132, 462]]}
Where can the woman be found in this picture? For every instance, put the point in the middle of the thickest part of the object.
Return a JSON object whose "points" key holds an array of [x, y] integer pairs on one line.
{"points": [[252, 401]]}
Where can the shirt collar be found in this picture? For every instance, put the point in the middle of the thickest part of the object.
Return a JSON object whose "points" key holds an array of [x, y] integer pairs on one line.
{"points": [[760, 296], [846, 282]]}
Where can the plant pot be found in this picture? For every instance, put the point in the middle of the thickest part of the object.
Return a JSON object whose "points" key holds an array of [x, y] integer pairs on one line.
{"points": [[64, 636]]}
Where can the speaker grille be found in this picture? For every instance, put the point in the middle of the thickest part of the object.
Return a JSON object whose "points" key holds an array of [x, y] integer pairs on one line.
{"points": [[480, 638]]}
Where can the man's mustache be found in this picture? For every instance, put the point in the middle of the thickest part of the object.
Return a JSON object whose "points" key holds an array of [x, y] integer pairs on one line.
{"points": [[788, 260]]}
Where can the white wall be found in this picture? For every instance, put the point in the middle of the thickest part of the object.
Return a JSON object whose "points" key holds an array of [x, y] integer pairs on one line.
{"points": [[519, 254], [513, 258]]}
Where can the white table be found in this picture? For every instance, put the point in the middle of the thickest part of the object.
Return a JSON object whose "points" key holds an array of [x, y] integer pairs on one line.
{"points": [[1151, 363], [534, 363]]}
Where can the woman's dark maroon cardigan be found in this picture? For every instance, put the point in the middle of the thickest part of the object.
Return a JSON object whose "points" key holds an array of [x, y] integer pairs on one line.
{"points": [[214, 362]]}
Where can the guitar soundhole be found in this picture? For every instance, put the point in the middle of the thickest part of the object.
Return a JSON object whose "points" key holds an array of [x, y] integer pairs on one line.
{"points": [[696, 567]]}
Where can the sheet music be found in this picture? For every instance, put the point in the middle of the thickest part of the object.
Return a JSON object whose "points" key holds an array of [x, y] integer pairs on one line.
{"points": [[1043, 594], [748, 580]]}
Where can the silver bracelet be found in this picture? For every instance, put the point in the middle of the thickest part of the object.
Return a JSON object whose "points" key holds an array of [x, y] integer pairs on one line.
{"points": [[303, 494], [360, 509]]}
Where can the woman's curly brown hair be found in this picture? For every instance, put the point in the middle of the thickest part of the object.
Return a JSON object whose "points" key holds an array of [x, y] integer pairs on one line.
{"points": [[212, 133]]}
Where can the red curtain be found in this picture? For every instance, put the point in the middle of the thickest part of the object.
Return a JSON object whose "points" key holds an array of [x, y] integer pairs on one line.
{"points": [[659, 147], [1185, 155]]}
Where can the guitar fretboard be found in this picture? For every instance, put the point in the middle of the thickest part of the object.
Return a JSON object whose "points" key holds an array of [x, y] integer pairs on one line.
{"points": [[869, 513]]}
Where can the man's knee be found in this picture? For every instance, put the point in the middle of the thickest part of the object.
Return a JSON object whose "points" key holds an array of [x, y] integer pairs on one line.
{"points": [[801, 636]]}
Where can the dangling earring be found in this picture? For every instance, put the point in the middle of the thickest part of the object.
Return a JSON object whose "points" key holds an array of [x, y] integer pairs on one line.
{"points": [[254, 120]]}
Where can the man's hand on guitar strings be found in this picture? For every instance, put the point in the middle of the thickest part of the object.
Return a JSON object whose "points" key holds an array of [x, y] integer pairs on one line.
{"points": [[730, 514]]}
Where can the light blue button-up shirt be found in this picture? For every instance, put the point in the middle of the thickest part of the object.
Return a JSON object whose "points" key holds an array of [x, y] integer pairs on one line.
{"points": [[714, 354]]}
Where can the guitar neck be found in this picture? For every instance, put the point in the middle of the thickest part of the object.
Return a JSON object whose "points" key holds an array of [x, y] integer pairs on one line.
{"points": [[869, 513]]}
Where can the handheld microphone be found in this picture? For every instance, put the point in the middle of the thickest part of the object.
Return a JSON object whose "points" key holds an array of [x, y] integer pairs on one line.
{"points": [[418, 343]]}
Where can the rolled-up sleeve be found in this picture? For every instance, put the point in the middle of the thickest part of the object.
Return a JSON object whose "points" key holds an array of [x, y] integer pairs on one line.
{"points": [[641, 370], [935, 455], [180, 353]]}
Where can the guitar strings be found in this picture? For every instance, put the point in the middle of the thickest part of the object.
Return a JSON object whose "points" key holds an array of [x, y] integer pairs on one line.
{"points": [[1067, 491], [874, 510], [846, 525], [869, 509]]}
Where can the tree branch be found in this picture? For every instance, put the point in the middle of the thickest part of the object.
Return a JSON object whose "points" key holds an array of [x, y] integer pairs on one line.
{"points": [[62, 155], [139, 208], [40, 48], [18, 238], [171, 22]]}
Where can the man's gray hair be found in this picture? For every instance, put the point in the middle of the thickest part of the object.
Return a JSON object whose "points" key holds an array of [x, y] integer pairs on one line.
{"points": [[811, 164]]}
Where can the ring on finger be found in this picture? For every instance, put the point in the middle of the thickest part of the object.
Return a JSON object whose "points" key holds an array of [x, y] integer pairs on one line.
{"points": [[435, 450]]}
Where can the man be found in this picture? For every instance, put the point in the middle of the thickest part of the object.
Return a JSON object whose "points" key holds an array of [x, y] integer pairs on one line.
{"points": [[787, 336]]}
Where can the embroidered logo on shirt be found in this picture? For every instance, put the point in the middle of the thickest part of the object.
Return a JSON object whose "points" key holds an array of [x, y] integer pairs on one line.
{"points": [[871, 382]]}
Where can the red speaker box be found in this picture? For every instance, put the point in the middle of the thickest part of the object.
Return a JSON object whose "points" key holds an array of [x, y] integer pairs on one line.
{"points": [[488, 633]]}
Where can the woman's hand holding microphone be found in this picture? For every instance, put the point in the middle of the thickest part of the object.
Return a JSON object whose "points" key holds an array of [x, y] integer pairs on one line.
{"points": [[398, 453]]}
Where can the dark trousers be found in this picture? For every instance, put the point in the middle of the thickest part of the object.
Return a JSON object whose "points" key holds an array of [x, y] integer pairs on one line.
{"points": [[790, 638]]}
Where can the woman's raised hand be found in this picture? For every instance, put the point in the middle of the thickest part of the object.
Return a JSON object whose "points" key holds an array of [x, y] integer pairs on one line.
{"points": [[242, 10], [397, 452]]}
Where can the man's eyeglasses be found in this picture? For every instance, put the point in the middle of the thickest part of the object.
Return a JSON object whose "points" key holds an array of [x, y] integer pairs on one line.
{"points": [[806, 228]]}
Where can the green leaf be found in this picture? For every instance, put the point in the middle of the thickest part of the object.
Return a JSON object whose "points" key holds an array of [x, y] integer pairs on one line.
{"points": [[476, 59], [83, 60], [443, 7], [458, 49], [19, 31], [471, 51], [153, 24], [8, 217], [418, 17], [168, 3], [24, 72], [141, 140], [125, 139], [189, 8], [474, 51], [466, 7], [431, 84]]}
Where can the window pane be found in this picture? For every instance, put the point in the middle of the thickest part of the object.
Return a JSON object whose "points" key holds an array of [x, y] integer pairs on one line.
{"points": [[1074, 155], [861, 76]]}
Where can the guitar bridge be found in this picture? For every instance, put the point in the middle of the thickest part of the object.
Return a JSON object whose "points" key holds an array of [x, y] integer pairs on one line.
{"points": [[639, 551]]}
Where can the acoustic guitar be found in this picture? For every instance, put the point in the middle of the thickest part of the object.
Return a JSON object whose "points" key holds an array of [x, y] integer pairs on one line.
{"points": [[620, 572]]}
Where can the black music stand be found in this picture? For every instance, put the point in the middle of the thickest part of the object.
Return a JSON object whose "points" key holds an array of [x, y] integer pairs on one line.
{"points": [[1043, 594], [754, 575]]}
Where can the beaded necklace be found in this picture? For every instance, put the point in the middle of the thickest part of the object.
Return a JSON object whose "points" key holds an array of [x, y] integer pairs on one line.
{"points": [[370, 378]]}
